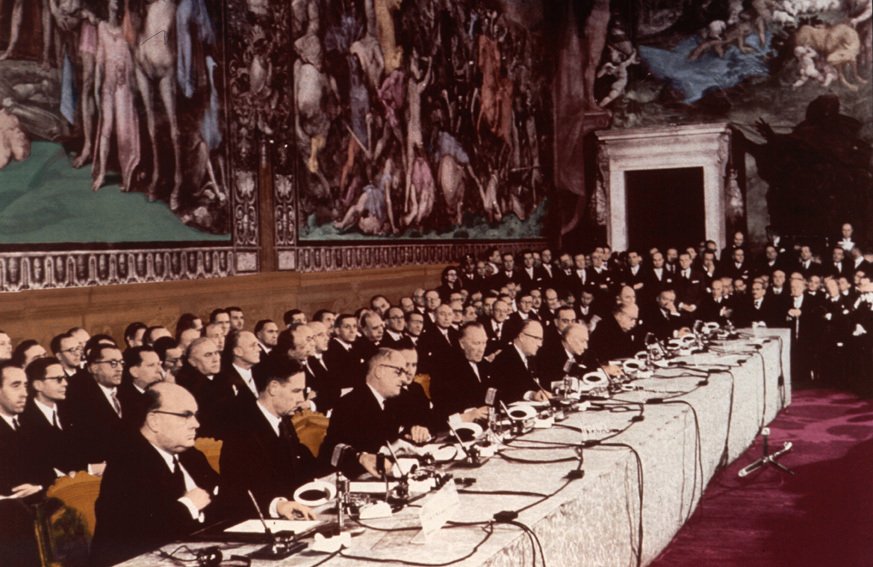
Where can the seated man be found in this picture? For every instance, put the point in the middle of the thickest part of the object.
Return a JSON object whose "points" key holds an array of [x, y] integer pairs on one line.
{"points": [[263, 454], [363, 421], [413, 406], [23, 475], [46, 417], [158, 488], [615, 336], [458, 388], [143, 368], [513, 373]]}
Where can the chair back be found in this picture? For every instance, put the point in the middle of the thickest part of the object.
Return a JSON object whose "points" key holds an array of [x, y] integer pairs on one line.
{"points": [[211, 448], [424, 380], [66, 519], [311, 428]]}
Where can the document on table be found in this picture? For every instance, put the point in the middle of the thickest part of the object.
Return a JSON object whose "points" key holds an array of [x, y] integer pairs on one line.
{"points": [[256, 527]]}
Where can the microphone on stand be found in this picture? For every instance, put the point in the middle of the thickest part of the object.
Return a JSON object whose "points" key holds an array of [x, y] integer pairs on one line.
{"points": [[280, 545]]}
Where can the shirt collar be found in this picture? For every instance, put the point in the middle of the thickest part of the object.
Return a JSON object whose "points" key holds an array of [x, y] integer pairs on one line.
{"points": [[271, 419], [47, 411], [167, 457], [244, 372], [520, 354], [380, 399], [8, 419]]}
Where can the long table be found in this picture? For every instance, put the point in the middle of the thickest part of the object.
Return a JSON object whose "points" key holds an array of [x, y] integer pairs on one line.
{"points": [[639, 487]]}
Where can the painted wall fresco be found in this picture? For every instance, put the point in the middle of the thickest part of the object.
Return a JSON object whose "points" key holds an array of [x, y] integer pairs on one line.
{"points": [[420, 119], [112, 125], [792, 77]]}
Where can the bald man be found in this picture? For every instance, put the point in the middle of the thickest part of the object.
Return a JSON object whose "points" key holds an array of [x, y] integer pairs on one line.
{"points": [[574, 344], [514, 368], [159, 489]]}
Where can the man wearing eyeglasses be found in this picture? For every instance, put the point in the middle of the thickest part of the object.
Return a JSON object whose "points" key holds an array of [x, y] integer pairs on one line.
{"points": [[68, 351], [514, 370], [47, 417], [95, 407], [363, 421], [263, 454], [159, 488]]}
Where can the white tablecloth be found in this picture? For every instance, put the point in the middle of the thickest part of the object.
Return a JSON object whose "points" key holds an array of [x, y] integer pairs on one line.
{"points": [[595, 520]]}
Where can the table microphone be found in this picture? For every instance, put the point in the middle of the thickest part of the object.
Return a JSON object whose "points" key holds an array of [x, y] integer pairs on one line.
{"points": [[281, 545]]}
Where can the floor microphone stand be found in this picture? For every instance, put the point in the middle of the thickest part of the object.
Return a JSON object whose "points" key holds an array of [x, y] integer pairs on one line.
{"points": [[768, 458]]}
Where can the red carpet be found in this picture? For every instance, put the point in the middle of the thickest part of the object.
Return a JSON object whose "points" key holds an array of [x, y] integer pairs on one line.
{"points": [[821, 517]]}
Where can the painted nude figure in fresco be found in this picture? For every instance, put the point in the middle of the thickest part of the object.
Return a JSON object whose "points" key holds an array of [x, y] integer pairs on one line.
{"points": [[152, 26], [114, 70]]}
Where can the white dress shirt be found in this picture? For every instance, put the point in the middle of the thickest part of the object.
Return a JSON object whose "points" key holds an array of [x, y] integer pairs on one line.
{"points": [[189, 483]]}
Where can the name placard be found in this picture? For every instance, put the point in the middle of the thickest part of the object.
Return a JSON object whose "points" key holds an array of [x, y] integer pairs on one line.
{"points": [[437, 509]]}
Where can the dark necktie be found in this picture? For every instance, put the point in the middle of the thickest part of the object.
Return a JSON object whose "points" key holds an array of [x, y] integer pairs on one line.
{"points": [[15, 425], [55, 421], [178, 476]]}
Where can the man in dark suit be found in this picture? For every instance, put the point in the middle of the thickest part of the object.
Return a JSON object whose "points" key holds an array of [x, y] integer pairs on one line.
{"points": [[758, 308], [806, 265], [804, 317], [413, 407], [525, 312], [634, 275], [457, 388], [574, 343], [496, 327], [95, 409], [771, 261], [838, 266], [159, 487], [657, 278], [263, 454], [529, 276], [663, 319], [68, 352], [548, 273], [395, 336], [339, 356], [23, 474], [689, 285], [241, 354], [440, 341], [513, 373], [325, 381], [143, 368], [47, 418], [737, 267], [199, 376], [506, 274], [715, 307], [362, 421], [614, 337], [267, 333]]}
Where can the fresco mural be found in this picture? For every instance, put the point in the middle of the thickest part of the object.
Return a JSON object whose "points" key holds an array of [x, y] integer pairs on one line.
{"points": [[420, 119], [112, 122], [792, 77]]}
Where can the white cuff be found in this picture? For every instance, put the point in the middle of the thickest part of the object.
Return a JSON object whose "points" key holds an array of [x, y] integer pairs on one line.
{"points": [[455, 420], [273, 510], [529, 395], [192, 509]]}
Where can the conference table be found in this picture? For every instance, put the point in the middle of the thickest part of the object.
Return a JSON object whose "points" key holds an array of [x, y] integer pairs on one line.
{"points": [[643, 478]]}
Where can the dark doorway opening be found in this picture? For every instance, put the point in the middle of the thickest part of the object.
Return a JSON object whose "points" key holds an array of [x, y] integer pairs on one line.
{"points": [[665, 208]]}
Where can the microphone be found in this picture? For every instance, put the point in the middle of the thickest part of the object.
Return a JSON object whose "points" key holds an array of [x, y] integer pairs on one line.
{"points": [[490, 397], [338, 454], [281, 544]]}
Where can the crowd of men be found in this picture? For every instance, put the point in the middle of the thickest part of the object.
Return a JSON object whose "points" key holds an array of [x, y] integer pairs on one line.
{"points": [[131, 412]]}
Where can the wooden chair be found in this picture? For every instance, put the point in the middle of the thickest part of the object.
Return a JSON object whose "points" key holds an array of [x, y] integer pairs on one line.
{"points": [[311, 428], [424, 380], [211, 448], [66, 519]]}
